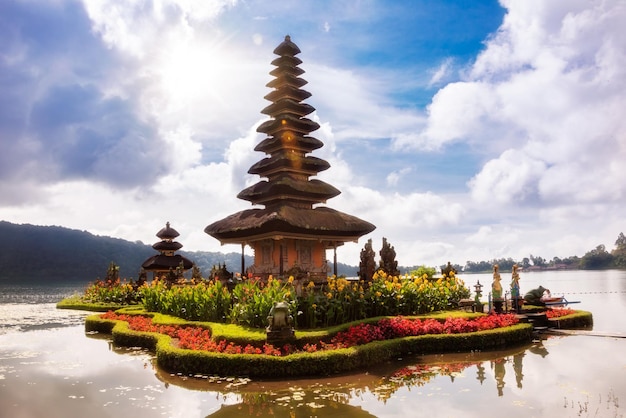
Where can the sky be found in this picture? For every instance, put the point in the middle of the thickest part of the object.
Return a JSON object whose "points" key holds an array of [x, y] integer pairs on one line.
{"points": [[464, 130]]}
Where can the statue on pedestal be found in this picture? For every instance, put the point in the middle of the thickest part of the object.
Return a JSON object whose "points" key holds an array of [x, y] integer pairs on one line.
{"points": [[496, 290], [516, 299]]}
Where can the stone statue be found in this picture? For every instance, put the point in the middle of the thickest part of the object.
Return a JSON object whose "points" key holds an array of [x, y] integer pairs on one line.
{"points": [[448, 270], [496, 289], [515, 293], [279, 317], [280, 330]]}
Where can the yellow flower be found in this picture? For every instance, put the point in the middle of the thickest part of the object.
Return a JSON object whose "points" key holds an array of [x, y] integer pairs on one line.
{"points": [[378, 294], [291, 279], [311, 285]]}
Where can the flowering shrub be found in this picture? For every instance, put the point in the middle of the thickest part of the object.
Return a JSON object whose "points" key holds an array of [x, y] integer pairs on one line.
{"points": [[248, 304], [341, 301], [199, 338], [336, 302], [112, 291], [205, 301], [558, 312], [253, 299]]}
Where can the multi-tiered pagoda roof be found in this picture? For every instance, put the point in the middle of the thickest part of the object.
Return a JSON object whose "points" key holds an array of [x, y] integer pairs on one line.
{"points": [[286, 189], [167, 258]]}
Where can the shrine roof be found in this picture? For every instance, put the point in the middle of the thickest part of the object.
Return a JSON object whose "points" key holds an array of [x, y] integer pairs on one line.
{"points": [[286, 221]]}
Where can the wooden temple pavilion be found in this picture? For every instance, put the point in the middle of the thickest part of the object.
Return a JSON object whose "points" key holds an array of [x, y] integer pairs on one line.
{"points": [[167, 259], [289, 235]]}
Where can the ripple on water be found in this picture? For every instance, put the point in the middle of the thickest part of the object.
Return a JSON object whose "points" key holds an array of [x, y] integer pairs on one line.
{"points": [[31, 317]]}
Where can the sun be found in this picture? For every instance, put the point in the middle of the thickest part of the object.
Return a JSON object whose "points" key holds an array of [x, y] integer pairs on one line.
{"points": [[192, 71]]}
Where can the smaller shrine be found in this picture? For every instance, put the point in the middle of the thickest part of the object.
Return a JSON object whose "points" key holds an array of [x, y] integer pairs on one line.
{"points": [[167, 261]]}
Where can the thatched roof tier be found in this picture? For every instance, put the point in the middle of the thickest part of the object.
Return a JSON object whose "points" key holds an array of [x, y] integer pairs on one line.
{"points": [[287, 48], [288, 188], [289, 162], [167, 233], [286, 79], [287, 122], [167, 246], [319, 223], [287, 92], [288, 106], [162, 262], [287, 61], [287, 64], [289, 140]]}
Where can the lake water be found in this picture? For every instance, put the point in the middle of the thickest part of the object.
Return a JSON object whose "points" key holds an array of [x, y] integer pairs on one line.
{"points": [[50, 368]]}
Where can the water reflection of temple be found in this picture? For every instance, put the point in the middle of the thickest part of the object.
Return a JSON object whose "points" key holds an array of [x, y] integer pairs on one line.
{"points": [[336, 393]]}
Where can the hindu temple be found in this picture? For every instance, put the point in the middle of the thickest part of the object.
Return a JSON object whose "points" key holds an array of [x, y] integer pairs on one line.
{"points": [[167, 259], [293, 230]]}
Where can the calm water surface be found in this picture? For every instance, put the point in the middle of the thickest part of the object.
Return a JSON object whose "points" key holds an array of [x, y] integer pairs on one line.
{"points": [[49, 367]]}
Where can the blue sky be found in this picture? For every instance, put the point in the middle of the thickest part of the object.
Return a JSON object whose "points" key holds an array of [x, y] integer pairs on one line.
{"points": [[464, 130]]}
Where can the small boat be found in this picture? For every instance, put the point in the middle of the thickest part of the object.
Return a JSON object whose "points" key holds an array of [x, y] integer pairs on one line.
{"points": [[557, 301]]}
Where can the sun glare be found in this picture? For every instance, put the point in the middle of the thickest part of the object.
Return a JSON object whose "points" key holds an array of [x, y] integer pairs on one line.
{"points": [[191, 72]]}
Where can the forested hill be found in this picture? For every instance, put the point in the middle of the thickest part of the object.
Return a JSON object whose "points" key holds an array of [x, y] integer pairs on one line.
{"points": [[29, 252], [36, 253]]}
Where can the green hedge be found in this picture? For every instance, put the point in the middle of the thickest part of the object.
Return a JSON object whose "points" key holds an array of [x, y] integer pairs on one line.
{"points": [[75, 302], [332, 361], [328, 362]]}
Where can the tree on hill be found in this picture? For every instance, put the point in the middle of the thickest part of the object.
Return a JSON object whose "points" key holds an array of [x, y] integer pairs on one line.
{"points": [[598, 258], [538, 261], [619, 253]]}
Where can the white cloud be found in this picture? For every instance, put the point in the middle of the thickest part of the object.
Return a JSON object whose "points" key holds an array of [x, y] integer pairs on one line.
{"points": [[395, 176], [542, 97], [441, 72], [358, 104], [510, 178]]}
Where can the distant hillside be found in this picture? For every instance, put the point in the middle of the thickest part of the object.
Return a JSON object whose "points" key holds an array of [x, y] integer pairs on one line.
{"points": [[35, 253]]}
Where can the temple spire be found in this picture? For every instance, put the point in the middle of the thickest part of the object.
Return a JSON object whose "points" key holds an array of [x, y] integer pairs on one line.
{"points": [[293, 229]]}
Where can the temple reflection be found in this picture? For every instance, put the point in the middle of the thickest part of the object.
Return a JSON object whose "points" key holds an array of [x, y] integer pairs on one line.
{"points": [[334, 396]]}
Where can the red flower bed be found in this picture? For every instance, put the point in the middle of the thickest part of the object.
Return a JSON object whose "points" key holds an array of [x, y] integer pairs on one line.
{"points": [[143, 323], [389, 328], [558, 312], [197, 338], [189, 337]]}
